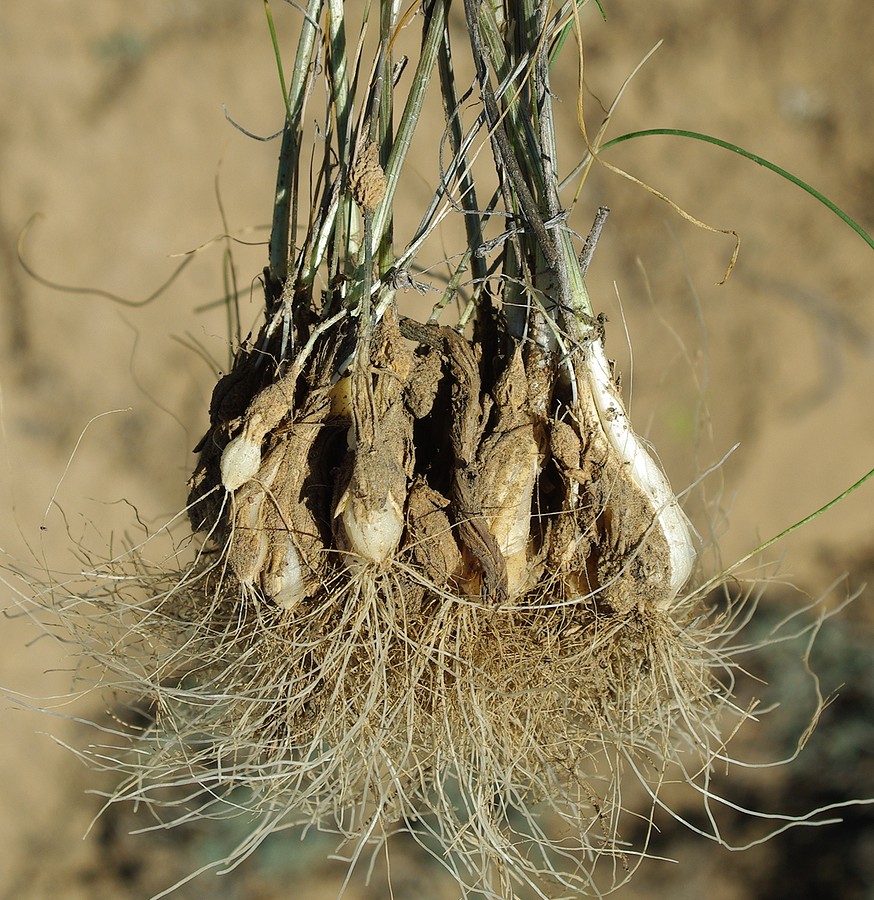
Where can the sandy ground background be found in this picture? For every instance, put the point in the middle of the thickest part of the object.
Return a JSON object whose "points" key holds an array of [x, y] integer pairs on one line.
{"points": [[111, 128]]}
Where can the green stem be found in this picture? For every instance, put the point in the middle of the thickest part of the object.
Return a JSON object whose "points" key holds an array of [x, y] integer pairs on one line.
{"points": [[409, 118], [284, 206]]}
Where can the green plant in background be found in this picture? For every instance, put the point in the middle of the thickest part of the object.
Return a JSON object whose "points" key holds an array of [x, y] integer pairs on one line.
{"points": [[436, 582]]}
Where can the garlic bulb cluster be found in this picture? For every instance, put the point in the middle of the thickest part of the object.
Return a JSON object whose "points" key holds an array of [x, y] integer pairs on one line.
{"points": [[427, 454]]}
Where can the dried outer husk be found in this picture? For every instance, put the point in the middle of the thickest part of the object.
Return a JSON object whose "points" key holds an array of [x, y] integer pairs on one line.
{"points": [[508, 465], [230, 398], [275, 539], [470, 407], [366, 177], [260, 489], [269, 405], [241, 458], [296, 537], [569, 533], [247, 544], [243, 412], [424, 382], [431, 536], [372, 490]]}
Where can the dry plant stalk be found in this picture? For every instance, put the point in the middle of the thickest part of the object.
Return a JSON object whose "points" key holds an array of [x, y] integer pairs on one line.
{"points": [[440, 579]]}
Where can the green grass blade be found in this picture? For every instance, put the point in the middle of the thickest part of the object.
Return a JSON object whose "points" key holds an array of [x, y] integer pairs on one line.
{"points": [[559, 40], [834, 502], [273, 37], [695, 135], [713, 582]]}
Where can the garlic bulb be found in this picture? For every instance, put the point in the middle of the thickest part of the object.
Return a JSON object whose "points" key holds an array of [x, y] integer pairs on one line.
{"points": [[641, 468]]}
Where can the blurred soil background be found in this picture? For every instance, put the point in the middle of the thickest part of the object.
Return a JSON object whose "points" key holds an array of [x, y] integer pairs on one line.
{"points": [[112, 130]]}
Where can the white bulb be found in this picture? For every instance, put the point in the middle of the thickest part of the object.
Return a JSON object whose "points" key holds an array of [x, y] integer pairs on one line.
{"points": [[241, 459]]}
